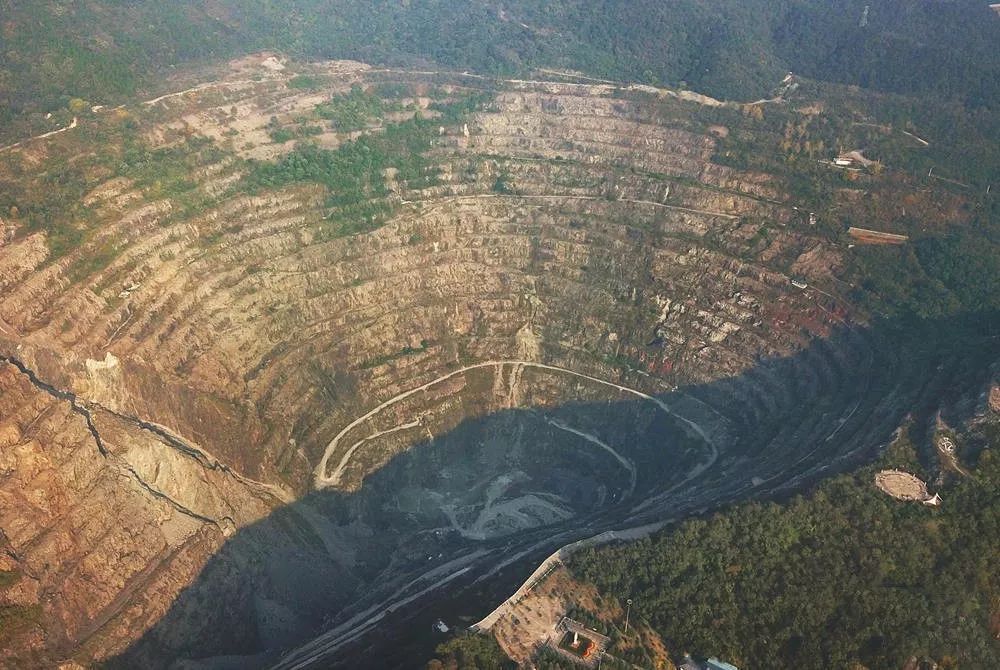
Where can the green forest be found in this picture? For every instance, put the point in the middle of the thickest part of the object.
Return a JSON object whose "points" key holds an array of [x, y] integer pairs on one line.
{"points": [[845, 577], [105, 50], [470, 651], [354, 173]]}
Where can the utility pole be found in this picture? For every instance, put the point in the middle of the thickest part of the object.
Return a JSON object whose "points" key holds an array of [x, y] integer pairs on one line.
{"points": [[628, 611]]}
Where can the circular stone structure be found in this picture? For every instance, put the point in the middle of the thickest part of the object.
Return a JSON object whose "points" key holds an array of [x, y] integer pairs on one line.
{"points": [[902, 485]]}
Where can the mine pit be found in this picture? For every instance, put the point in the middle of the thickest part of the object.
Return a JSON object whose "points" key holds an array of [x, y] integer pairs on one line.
{"points": [[331, 377]]}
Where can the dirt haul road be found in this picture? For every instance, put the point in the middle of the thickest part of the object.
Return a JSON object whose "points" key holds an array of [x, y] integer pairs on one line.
{"points": [[322, 480]]}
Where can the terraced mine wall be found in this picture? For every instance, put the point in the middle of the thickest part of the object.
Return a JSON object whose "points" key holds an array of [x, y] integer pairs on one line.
{"points": [[256, 394], [488, 499]]}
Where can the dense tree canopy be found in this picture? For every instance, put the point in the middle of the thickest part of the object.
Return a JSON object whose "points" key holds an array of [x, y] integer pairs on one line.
{"points": [[846, 575], [103, 50]]}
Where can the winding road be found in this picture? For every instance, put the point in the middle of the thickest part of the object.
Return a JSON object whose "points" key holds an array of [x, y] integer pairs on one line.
{"points": [[483, 562], [322, 480], [73, 124]]}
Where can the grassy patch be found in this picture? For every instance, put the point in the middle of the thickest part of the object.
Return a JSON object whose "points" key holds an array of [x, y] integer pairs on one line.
{"points": [[304, 82], [14, 619], [354, 173], [280, 135], [351, 111], [387, 358], [93, 261], [8, 578]]}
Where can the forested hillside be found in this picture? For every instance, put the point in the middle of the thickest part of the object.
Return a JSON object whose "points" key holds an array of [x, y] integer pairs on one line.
{"points": [[844, 578], [103, 50]]}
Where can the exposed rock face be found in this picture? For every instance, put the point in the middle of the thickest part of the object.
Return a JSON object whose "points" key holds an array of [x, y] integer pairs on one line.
{"points": [[181, 392], [81, 527]]}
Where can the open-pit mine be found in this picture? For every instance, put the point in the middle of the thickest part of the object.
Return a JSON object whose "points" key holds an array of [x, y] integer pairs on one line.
{"points": [[299, 358]]}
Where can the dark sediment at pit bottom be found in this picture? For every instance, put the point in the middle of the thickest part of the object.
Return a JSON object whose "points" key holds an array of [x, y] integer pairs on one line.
{"points": [[777, 428]]}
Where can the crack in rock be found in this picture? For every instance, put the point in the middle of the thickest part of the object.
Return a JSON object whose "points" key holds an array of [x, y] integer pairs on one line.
{"points": [[80, 408]]}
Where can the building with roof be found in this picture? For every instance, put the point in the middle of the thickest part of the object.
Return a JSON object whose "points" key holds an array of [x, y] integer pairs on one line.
{"points": [[578, 643]]}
